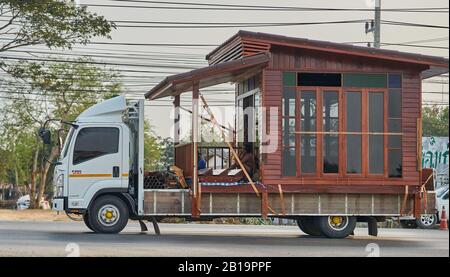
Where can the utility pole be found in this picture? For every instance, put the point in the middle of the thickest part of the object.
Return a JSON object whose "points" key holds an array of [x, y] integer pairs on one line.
{"points": [[377, 31], [374, 26]]}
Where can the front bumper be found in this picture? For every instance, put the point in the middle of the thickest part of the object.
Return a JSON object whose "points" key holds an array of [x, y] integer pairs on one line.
{"points": [[59, 204]]}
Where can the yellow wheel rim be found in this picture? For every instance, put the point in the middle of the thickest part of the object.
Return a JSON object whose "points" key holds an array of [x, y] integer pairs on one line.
{"points": [[109, 214]]}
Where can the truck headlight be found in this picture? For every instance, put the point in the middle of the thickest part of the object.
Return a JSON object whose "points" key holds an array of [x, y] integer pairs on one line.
{"points": [[60, 186]]}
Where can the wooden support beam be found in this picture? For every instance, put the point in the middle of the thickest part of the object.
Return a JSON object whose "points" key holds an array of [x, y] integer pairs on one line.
{"points": [[233, 152], [264, 204], [283, 207], [195, 138], [176, 125]]}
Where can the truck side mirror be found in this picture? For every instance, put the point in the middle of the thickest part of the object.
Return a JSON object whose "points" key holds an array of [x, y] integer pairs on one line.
{"points": [[45, 135]]}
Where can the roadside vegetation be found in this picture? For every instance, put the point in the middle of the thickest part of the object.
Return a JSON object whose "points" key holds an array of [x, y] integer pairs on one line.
{"points": [[33, 92]]}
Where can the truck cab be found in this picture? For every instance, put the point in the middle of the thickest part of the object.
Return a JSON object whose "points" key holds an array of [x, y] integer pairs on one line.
{"points": [[99, 169]]}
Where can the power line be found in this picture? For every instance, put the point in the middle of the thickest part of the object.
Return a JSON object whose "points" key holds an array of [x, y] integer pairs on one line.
{"points": [[196, 5]]}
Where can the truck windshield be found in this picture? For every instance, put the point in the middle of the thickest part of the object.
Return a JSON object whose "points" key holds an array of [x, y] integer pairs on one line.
{"points": [[67, 142]]}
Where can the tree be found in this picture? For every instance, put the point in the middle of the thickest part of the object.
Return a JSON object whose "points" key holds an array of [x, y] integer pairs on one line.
{"points": [[54, 23], [47, 91], [152, 149], [435, 121]]}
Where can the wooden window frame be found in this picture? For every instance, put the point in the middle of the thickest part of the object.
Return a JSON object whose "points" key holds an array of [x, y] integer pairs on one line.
{"points": [[366, 158], [344, 127]]}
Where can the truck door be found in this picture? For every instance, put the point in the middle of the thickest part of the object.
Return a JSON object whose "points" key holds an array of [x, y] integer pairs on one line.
{"points": [[95, 163]]}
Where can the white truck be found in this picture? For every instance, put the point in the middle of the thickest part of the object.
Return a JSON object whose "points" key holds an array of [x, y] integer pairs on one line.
{"points": [[100, 175], [100, 170]]}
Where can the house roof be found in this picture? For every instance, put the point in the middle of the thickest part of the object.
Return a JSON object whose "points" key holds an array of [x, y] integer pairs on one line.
{"points": [[230, 71], [438, 65]]}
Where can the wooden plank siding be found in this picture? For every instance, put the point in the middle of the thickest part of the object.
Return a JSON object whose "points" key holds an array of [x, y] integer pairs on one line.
{"points": [[304, 60]]}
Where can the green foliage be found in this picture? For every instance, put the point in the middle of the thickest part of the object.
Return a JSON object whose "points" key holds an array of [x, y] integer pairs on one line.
{"points": [[152, 149], [55, 23], [41, 92], [435, 121]]}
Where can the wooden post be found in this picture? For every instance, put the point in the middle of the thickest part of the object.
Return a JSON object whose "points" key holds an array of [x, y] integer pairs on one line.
{"points": [[176, 125], [195, 138]]}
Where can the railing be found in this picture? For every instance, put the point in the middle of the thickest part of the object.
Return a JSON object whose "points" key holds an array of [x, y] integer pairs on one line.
{"points": [[216, 157]]}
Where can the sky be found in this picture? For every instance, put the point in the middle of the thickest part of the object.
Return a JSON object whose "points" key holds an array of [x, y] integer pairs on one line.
{"points": [[142, 57]]}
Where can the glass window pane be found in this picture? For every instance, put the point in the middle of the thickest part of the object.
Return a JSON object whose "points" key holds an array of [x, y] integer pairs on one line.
{"points": [[308, 153], [288, 103], [361, 80], [289, 79], [319, 79], [395, 80], [95, 142], [395, 125], [395, 103], [394, 142], [376, 154], [330, 111], [376, 112], [308, 111], [395, 163], [354, 120], [289, 162], [330, 154], [354, 152], [288, 130]]}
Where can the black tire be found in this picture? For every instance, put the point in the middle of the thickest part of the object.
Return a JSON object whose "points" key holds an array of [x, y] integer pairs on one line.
{"points": [[108, 214], [329, 228], [427, 221], [86, 221], [408, 224], [309, 226]]}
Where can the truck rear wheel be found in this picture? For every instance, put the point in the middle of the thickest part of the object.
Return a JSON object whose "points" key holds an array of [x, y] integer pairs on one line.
{"points": [[309, 226], [108, 214], [336, 226]]}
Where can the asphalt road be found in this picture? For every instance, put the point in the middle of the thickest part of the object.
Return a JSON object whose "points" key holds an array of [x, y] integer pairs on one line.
{"points": [[73, 238]]}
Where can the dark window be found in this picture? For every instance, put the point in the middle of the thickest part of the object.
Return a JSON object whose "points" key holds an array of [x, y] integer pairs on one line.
{"points": [[289, 79], [308, 153], [289, 162], [395, 80], [376, 112], [376, 125], [288, 131], [445, 197], [95, 142], [361, 80], [354, 147], [354, 124], [394, 127], [288, 128], [395, 141], [308, 111], [330, 116], [319, 79], [395, 163], [376, 154], [308, 124], [395, 103], [354, 120]]}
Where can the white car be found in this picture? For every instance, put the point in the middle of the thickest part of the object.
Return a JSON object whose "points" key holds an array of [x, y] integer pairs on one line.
{"points": [[442, 202], [429, 221], [23, 203]]}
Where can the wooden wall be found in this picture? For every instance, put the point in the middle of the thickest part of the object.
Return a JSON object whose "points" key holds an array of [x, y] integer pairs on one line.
{"points": [[291, 59]]}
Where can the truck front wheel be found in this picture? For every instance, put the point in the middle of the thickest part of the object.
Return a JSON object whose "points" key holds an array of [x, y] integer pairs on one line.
{"points": [[108, 214], [336, 226]]}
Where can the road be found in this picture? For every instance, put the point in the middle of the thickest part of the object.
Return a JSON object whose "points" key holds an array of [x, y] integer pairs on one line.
{"points": [[73, 238]]}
